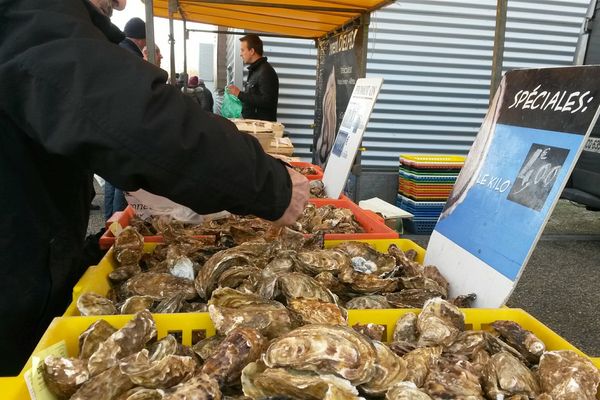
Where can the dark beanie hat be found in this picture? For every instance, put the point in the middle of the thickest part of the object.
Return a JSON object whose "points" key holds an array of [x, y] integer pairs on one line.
{"points": [[135, 28]]}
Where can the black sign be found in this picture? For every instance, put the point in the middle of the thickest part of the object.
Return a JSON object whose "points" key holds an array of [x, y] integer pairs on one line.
{"points": [[554, 99], [537, 175]]}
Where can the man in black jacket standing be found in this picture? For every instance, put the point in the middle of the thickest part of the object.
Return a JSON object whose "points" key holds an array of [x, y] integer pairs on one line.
{"points": [[72, 103], [261, 90], [135, 36]]}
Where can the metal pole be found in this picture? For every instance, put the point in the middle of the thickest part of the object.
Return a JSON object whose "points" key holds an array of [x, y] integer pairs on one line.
{"points": [[150, 46], [497, 59], [172, 46], [185, 40]]}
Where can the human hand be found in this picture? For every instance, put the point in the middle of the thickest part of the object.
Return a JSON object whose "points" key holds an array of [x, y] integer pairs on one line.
{"points": [[234, 90], [299, 199]]}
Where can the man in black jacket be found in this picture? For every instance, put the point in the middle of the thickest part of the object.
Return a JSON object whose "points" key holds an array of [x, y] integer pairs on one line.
{"points": [[72, 103], [261, 90], [135, 36]]}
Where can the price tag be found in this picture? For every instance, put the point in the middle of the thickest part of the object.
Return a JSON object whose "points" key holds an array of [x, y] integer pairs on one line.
{"points": [[34, 378], [115, 228]]}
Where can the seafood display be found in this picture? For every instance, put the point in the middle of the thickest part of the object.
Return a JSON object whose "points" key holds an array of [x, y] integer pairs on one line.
{"points": [[438, 359], [305, 170]]}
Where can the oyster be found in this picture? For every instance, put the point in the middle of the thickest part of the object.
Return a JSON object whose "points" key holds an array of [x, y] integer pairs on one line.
{"points": [[406, 391], [106, 385], [565, 375], [317, 189], [136, 304], [90, 303], [161, 372], [470, 343], [418, 362], [523, 340], [389, 370], [411, 298], [178, 263], [406, 261], [384, 264], [165, 347], [450, 379], [230, 308], [464, 300], [199, 387], [368, 302], [127, 340], [401, 347], [332, 283], [64, 376], [315, 262], [283, 262], [259, 382], [366, 283], [433, 273], [406, 328], [372, 331], [295, 284], [160, 286], [504, 376], [129, 247], [325, 349], [313, 311], [439, 323], [140, 393], [209, 274], [240, 347], [207, 347], [171, 304], [423, 283], [91, 338], [238, 275]]}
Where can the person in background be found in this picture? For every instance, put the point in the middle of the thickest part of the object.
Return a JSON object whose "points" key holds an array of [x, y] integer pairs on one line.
{"points": [[158, 56], [113, 116], [135, 36], [261, 91], [197, 89]]}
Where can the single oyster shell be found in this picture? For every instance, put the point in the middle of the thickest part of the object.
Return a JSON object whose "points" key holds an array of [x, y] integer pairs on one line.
{"points": [[259, 382], [91, 338], [237, 275], [64, 376], [313, 311], [565, 375], [129, 247], [385, 263], [423, 283], [450, 379], [315, 262], [127, 340], [332, 283], [140, 393], [433, 273], [172, 304], [411, 298], [325, 349], [239, 348], [284, 261], [372, 331], [464, 300], [90, 303], [207, 347], [401, 347], [135, 304], [504, 375], [294, 284], [157, 373], [368, 302], [523, 340], [439, 323], [367, 283], [199, 387], [418, 362], [470, 343], [389, 370], [160, 286], [230, 308], [106, 385], [167, 346], [405, 329], [406, 391], [208, 276], [406, 261], [121, 274]]}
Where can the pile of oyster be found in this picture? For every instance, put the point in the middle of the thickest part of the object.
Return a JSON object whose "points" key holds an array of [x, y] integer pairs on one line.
{"points": [[295, 272], [305, 170], [264, 351], [326, 219]]}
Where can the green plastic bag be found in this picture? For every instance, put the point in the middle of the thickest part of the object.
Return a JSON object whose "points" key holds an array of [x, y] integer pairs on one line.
{"points": [[231, 107]]}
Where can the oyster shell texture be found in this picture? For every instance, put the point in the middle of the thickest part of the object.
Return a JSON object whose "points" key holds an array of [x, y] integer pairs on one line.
{"points": [[406, 391], [439, 323], [64, 376], [90, 303], [389, 370], [160, 286], [522, 340], [313, 311], [565, 375], [90, 339], [504, 376]]}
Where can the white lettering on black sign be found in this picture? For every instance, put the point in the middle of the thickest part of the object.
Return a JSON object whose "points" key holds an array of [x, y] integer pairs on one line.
{"points": [[547, 100], [343, 42]]}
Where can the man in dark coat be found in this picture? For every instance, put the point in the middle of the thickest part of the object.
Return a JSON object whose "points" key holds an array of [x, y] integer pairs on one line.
{"points": [[261, 90], [72, 103], [135, 36]]}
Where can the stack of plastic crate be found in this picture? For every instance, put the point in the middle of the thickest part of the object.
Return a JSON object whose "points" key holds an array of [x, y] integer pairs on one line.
{"points": [[424, 184]]}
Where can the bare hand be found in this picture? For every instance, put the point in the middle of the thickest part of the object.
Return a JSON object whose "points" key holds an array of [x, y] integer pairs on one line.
{"points": [[299, 199], [234, 90]]}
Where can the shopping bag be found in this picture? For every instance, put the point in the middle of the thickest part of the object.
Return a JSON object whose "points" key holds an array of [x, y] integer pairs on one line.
{"points": [[232, 106]]}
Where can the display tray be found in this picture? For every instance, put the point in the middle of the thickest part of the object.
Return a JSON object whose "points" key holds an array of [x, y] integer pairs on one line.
{"points": [[428, 161], [372, 224], [314, 177], [189, 328]]}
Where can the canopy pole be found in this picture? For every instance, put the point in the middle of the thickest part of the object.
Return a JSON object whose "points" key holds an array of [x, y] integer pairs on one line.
{"points": [[172, 9], [498, 56], [185, 40], [150, 45]]}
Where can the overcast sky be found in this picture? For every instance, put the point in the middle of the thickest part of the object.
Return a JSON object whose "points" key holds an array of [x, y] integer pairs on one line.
{"points": [[135, 8]]}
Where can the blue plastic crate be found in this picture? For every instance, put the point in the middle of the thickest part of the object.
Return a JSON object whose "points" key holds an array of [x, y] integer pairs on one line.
{"points": [[420, 226]]}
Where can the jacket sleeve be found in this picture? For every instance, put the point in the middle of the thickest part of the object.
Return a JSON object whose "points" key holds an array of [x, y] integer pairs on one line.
{"points": [[110, 112], [268, 93]]}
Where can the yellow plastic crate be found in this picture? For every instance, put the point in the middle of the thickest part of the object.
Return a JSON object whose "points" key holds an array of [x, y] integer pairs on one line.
{"points": [[95, 279], [188, 325]]}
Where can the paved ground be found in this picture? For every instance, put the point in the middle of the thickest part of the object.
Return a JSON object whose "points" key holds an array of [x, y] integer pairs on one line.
{"points": [[560, 284]]}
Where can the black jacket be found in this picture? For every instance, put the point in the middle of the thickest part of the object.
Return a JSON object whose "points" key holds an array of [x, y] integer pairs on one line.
{"points": [[203, 96], [131, 46], [73, 103], [261, 92]]}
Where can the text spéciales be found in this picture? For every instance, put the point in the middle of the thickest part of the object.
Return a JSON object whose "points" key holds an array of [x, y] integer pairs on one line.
{"points": [[560, 101]]}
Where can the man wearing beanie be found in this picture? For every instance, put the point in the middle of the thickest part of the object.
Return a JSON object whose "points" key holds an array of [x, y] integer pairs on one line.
{"points": [[135, 36]]}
